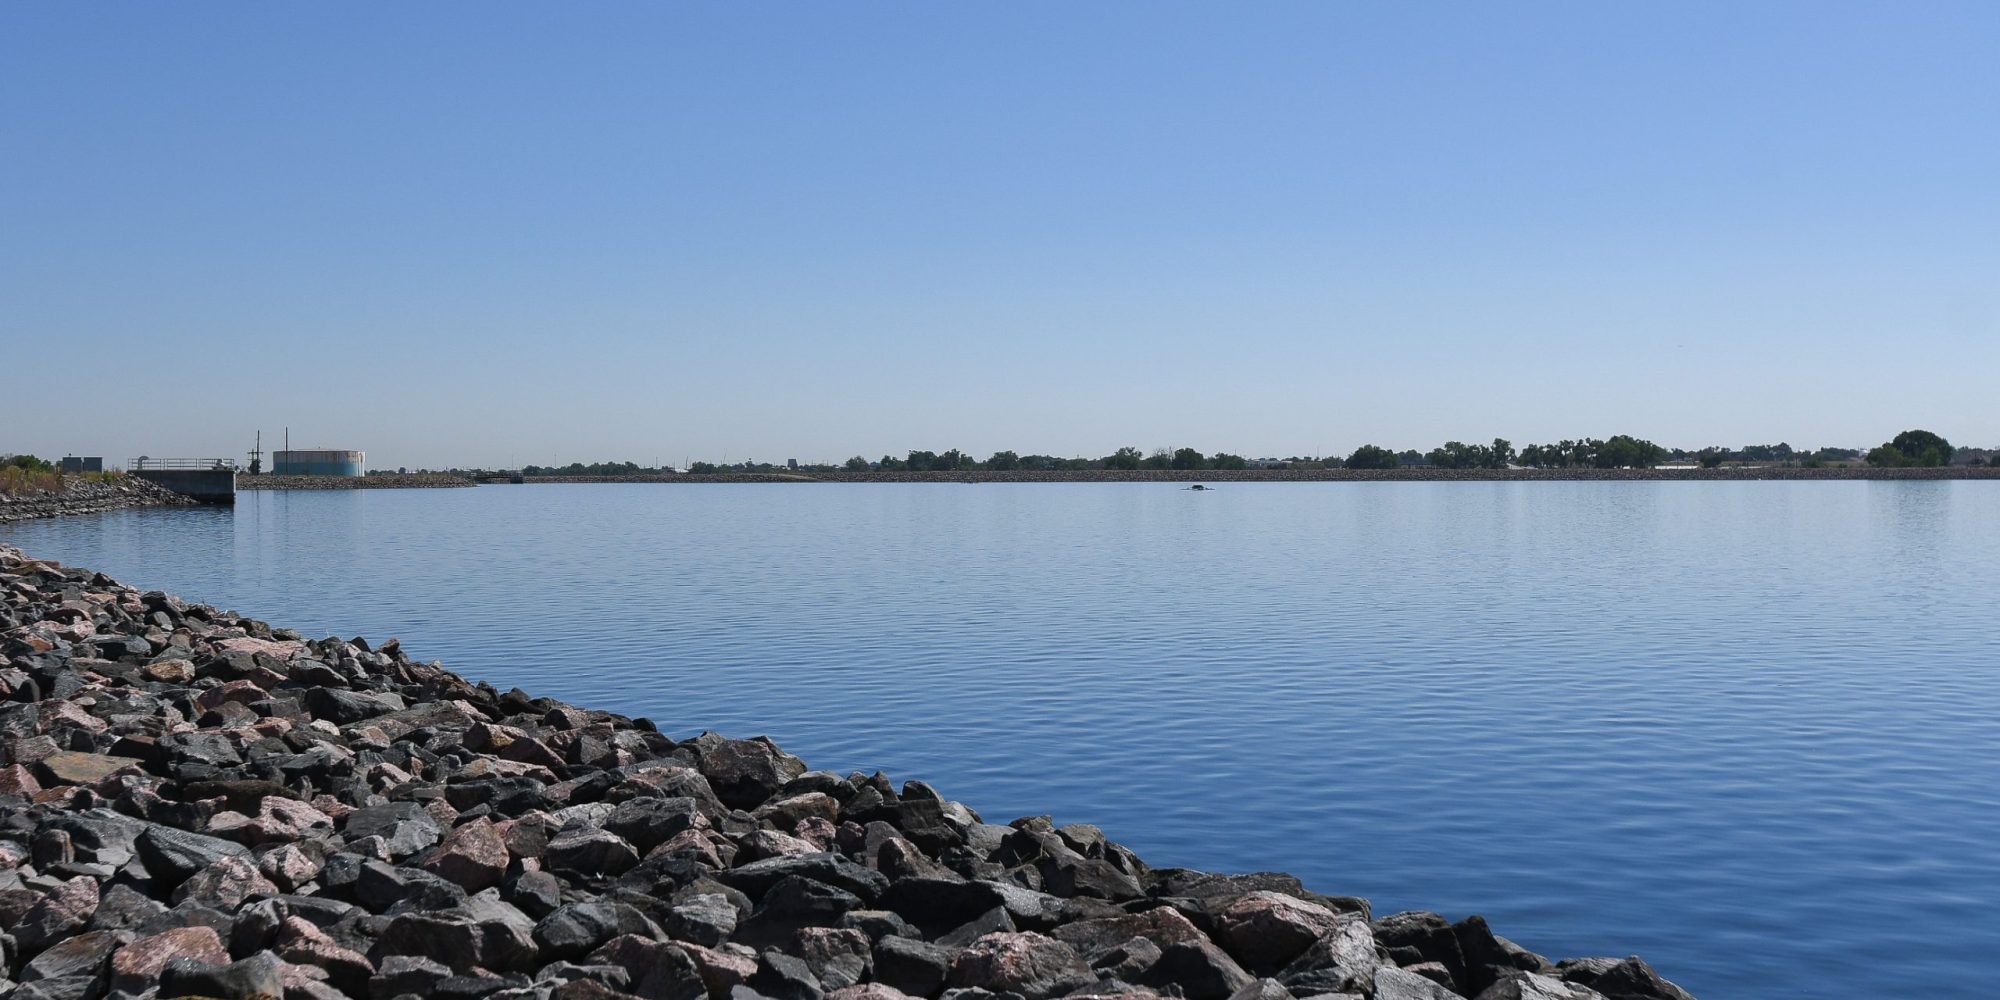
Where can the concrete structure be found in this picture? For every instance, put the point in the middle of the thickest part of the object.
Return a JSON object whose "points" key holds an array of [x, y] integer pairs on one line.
{"points": [[321, 462], [71, 463], [216, 484]]}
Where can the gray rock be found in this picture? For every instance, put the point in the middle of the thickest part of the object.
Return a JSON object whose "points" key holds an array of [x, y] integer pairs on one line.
{"points": [[81, 955], [1031, 965], [403, 826], [576, 929], [1392, 983], [260, 975]]}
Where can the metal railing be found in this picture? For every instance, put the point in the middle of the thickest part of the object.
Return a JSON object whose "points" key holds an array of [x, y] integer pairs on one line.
{"points": [[146, 463]]}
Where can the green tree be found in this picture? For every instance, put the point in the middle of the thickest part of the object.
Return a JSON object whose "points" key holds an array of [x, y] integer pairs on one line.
{"points": [[703, 468], [890, 463], [921, 461], [1712, 457], [1502, 454], [1921, 448], [1624, 451], [1003, 461], [1124, 458], [1188, 458], [857, 464], [1224, 460], [1369, 456]]}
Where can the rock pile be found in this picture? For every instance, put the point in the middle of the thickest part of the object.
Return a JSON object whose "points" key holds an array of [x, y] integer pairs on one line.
{"points": [[85, 496], [193, 803]]}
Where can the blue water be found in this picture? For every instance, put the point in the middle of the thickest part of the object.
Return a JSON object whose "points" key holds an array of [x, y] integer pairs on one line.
{"points": [[1744, 729]]}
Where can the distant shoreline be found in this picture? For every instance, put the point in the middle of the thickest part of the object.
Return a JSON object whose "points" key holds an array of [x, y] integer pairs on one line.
{"points": [[1417, 475]]}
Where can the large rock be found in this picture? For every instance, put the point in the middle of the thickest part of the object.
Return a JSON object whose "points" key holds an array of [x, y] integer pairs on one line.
{"points": [[1199, 969], [1162, 925], [655, 970], [1344, 959], [67, 767], [1620, 979], [225, 885], [589, 852], [403, 826], [138, 964], [758, 877], [60, 912], [80, 955], [744, 773], [472, 855], [914, 967], [1535, 986], [1265, 930], [576, 929], [1392, 983], [258, 976], [171, 856], [1032, 965]]}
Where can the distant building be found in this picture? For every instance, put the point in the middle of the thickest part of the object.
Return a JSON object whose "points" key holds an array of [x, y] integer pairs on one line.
{"points": [[321, 462], [71, 463], [791, 463]]}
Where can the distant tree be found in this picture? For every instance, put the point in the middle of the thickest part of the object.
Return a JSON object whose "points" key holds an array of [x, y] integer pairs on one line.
{"points": [[1160, 458], [1126, 458], [1188, 458], [1003, 461], [890, 463], [921, 461], [1921, 448], [856, 464], [1224, 460], [1624, 451], [1369, 456], [1503, 454], [703, 468], [1712, 457]]}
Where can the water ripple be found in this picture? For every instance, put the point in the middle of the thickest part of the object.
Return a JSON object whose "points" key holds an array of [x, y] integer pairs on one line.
{"points": [[1744, 729]]}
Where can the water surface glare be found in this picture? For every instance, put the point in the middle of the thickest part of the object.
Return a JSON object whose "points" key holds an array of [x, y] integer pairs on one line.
{"points": [[1744, 729]]}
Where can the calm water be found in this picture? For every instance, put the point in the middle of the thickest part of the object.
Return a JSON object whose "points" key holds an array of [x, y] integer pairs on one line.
{"points": [[1745, 729]]}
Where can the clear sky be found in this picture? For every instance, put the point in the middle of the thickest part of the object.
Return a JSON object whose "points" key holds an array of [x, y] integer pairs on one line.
{"points": [[508, 233]]}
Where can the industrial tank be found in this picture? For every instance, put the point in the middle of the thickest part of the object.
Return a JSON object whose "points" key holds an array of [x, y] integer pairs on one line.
{"points": [[319, 463]]}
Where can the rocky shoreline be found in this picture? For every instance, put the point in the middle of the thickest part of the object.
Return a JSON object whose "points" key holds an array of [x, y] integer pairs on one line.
{"points": [[193, 803], [1409, 475], [83, 496], [399, 481]]}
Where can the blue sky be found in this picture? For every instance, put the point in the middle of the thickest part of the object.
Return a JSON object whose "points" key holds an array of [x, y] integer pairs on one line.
{"points": [[486, 234]]}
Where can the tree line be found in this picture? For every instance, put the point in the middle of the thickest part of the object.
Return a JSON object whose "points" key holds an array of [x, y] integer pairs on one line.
{"points": [[1619, 451]]}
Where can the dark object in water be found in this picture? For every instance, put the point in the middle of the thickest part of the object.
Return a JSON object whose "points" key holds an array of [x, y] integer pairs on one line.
{"points": [[1198, 486]]}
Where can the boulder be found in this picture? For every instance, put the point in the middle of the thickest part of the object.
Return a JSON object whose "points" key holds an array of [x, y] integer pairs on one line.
{"points": [[258, 976], [473, 855], [137, 965], [1392, 983], [1266, 930], [80, 955], [60, 912], [68, 767], [576, 929], [171, 856], [1535, 986], [744, 773], [1031, 965]]}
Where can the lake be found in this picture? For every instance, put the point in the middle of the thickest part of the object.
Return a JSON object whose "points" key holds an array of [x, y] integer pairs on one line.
{"points": [[1746, 730]]}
